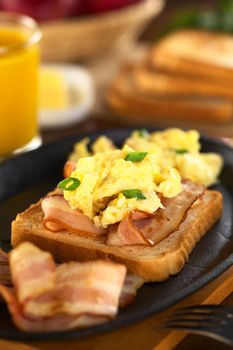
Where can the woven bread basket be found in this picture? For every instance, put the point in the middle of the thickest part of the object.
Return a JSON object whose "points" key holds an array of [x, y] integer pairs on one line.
{"points": [[87, 37]]}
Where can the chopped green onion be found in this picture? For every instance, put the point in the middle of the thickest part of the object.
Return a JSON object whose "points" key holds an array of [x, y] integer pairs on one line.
{"points": [[135, 193], [136, 156], [69, 184], [143, 133], [181, 151]]}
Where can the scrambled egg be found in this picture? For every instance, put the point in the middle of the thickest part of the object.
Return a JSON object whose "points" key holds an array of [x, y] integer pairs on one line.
{"points": [[105, 174], [80, 150], [181, 149], [102, 144], [171, 148]]}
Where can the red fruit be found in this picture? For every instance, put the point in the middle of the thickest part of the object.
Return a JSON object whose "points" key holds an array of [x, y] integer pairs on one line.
{"points": [[93, 6], [40, 9]]}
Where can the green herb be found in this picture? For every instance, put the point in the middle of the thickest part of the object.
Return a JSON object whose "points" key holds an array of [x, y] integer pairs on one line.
{"points": [[69, 184], [143, 133], [136, 156], [218, 18], [181, 151], [135, 193]]}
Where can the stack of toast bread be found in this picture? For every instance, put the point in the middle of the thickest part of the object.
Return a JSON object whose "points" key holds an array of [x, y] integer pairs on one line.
{"points": [[187, 76]]}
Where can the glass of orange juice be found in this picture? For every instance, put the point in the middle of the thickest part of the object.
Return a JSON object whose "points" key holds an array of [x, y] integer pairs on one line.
{"points": [[19, 65]]}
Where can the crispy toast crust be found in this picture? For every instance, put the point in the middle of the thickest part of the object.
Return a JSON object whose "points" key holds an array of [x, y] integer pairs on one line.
{"points": [[163, 84], [151, 263], [124, 98], [195, 52]]}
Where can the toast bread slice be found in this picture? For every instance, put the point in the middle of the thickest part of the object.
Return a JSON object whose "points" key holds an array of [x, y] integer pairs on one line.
{"points": [[156, 83], [196, 52], [151, 263], [123, 98]]}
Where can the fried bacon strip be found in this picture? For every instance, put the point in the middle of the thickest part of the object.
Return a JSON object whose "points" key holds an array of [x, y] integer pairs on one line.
{"points": [[69, 167], [32, 270], [58, 322], [48, 298], [131, 285], [152, 229], [58, 216]]}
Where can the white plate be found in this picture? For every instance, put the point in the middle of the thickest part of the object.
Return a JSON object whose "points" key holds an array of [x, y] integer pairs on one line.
{"points": [[82, 96]]}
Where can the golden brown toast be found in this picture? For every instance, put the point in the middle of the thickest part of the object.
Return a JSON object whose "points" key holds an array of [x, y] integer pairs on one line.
{"points": [[124, 98], [155, 263], [196, 52], [155, 83]]}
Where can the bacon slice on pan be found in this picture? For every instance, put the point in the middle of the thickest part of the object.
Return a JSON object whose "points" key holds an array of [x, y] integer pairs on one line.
{"points": [[129, 290], [69, 167], [71, 295], [66, 321], [153, 228], [81, 288], [32, 270], [58, 322], [91, 287], [58, 216], [64, 274]]}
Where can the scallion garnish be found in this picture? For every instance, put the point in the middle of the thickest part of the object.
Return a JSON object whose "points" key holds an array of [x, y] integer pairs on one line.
{"points": [[135, 193], [135, 156], [181, 151], [143, 133], [69, 184]]}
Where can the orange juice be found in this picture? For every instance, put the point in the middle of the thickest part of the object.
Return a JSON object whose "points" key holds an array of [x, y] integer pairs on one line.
{"points": [[19, 61]]}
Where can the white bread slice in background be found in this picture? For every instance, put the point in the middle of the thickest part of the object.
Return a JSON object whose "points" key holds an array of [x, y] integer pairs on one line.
{"points": [[162, 84], [151, 263], [196, 52], [124, 99]]}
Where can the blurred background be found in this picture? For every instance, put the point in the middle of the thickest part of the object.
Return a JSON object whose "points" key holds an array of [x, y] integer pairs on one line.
{"points": [[109, 63]]}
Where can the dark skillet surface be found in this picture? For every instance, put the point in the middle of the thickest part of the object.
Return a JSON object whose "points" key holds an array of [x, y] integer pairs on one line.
{"points": [[26, 178]]}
